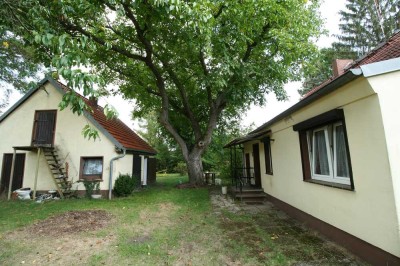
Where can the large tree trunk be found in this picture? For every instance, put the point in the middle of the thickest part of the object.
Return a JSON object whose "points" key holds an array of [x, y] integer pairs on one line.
{"points": [[195, 169]]}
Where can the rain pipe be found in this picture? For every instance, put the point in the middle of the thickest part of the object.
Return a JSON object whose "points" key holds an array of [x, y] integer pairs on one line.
{"points": [[111, 172]]}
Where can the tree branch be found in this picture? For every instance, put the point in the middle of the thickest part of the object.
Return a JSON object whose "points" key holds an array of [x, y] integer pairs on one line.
{"points": [[251, 46], [206, 73], [72, 27]]}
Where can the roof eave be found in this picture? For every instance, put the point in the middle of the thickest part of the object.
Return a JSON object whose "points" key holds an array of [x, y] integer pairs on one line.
{"points": [[330, 87]]}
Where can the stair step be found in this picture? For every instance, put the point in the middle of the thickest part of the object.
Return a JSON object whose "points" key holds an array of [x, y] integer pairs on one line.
{"points": [[249, 190], [249, 196]]}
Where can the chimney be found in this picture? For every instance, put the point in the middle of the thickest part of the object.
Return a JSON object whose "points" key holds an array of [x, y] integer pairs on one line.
{"points": [[93, 101], [339, 66]]}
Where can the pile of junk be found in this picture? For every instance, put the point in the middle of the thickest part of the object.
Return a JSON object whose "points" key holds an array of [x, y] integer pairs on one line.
{"points": [[27, 194]]}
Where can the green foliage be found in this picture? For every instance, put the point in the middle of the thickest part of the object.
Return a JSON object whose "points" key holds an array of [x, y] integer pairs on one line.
{"points": [[365, 24], [181, 168], [91, 188], [90, 132], [124, 185], [168, 154], [361, 31], [191, 62], [319, 69]]}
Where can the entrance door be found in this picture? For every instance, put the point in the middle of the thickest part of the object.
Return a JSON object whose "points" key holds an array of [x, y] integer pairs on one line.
{"points": [[44, 127], [257, 171], [18, 171]]}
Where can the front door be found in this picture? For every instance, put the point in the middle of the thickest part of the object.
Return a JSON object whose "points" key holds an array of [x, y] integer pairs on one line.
{"points": [[44, 127], [18, 177], [257, 171]]}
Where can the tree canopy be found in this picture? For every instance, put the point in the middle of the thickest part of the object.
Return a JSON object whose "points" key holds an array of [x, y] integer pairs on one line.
{"points": [[366, 23], [193, 62]]}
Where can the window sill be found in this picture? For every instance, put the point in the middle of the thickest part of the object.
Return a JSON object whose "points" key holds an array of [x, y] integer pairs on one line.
{"points": [[330, 184]]}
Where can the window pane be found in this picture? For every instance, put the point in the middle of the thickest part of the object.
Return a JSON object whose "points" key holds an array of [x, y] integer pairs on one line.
{"points": [[342, 167], [321, 163], [93, 167]]}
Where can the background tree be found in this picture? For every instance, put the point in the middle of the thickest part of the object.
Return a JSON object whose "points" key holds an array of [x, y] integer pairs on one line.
{"points": [[364, 24], [192, 62], [20, 68], [319, 69], [168, 153]]}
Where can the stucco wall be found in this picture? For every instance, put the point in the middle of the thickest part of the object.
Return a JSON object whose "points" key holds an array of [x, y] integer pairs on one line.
{"points": [[388, 94], [16, 130], [369, 212]]}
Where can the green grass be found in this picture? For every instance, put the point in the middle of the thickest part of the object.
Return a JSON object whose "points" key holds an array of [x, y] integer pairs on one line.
{"points": [[160, 225]]}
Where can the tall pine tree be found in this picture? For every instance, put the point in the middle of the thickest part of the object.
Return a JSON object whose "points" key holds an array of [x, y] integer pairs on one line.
{"points": [[366, 23]]}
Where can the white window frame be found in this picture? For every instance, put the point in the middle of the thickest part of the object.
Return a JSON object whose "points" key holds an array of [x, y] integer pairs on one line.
{"points": [[330, 140]]}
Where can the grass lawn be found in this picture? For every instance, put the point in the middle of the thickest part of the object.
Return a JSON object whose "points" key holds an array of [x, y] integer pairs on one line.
{"points": [[160, 225]]}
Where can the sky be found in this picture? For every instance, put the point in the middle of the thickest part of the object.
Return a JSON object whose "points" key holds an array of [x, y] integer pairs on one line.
{"points": [[256, 116]]}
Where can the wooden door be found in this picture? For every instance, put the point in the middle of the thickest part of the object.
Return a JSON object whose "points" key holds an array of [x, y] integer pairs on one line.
{"points": [[257, 171], [44, 127], [137, 167], [18, 177]]}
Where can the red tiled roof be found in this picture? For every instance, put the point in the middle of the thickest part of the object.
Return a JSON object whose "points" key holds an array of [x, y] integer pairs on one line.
{"points": [[121, 132], [385, 51]]}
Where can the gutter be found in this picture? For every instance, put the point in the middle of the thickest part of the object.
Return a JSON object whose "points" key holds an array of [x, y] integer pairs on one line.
{"points": [[111, 171]]}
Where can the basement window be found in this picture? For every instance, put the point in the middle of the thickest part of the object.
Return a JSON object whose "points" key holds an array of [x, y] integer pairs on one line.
{"points": [[91, 168]]}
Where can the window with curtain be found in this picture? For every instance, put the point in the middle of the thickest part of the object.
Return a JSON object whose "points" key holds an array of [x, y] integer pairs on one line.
{"points": [[91, 168], [328, 154], [325, 157]]}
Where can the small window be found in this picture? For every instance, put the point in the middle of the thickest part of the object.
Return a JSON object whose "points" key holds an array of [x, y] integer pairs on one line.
{"points": [[268, 156], [91, 168], [324, 150]]}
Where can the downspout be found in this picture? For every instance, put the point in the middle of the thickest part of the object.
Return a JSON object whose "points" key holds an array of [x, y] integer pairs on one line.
{"points": [[111, 171]]}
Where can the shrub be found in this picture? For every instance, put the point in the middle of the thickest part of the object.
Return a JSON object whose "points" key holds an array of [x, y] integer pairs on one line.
{"points": [[91, 187], [124, 185], [181, 168]]}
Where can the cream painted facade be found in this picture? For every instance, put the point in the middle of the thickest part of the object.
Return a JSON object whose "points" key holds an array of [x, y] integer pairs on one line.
{"points": [[17, 130], [371, 211]]}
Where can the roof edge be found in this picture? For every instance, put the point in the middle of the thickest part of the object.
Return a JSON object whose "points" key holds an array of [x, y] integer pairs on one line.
{"points": [[381, 67], [23, 99], [328, 88], [91, 119]]}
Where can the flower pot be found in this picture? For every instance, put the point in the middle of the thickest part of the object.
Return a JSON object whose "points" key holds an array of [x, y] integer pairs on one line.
{"points": [[96, 196], [224, 190]]}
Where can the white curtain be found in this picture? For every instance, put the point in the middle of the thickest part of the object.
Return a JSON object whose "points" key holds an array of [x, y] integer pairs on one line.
{"points": [[342, 167], [321, 163]]}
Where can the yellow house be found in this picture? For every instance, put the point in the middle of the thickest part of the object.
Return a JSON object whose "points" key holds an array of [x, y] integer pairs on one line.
{"points": [[333, 159], [44, 148]]}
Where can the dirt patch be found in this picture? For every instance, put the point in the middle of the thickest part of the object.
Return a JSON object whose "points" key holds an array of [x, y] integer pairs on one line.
{"points": [[71, 222], [58, 240]]}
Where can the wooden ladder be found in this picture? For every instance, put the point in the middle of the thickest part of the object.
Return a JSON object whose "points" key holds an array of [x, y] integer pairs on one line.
{"points": [[59, 176]]}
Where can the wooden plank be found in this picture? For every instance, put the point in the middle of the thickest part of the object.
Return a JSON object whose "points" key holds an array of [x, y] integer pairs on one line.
{"points": [[12, 174]]}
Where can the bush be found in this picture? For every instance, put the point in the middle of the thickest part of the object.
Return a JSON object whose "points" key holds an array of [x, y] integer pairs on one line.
{"points": [[124, 185], [181, 168], [91, 187]]}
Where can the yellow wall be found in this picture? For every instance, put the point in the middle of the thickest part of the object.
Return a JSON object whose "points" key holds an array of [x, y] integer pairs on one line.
{"points": [[369, 212], [16, 130]]}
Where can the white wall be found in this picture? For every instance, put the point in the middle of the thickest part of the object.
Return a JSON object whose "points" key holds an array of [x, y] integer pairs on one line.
{"points": [[16, 130], [369, 212]]}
